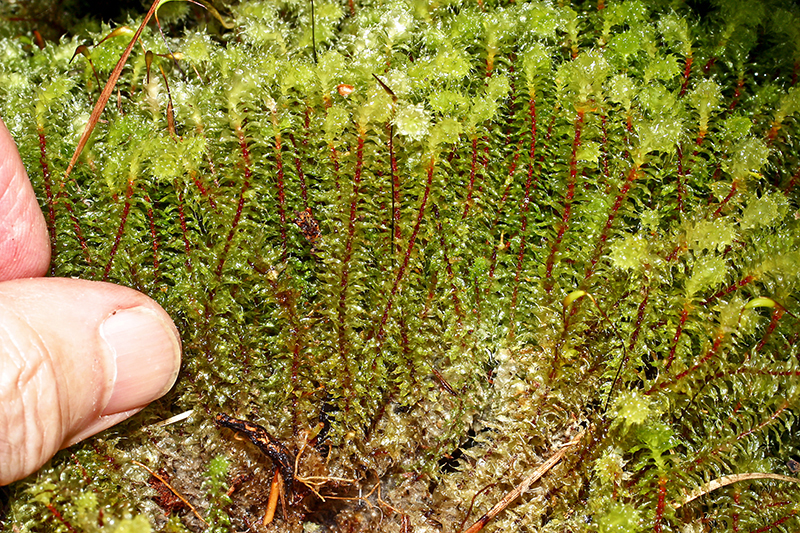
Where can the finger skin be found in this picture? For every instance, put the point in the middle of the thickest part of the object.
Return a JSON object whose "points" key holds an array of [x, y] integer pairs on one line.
{"points": [[56, 371], [24, 243]]}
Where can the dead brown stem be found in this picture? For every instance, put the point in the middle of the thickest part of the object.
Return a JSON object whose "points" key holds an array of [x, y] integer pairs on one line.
{"points": [[107, 90]]}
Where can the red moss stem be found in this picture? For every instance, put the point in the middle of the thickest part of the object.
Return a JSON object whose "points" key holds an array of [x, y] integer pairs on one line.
{"points": [[126, 209], [681, 179], [525, 205], [687, 72], [240, 205], [512, 167], [48, 188], [60, 518], [727, 290], [395, 177], [795, 178], [341, 314], [153, 233], [187, 247], [62, 197], [727, 199], [202, 189], [472, 169], [335, 161], [763, 424], [401, 271], [737, 94], [720, 336], [604, 148], [633, 173], [662, 494], [280, 185], [777, 313], [709, 64], [568, 197], [639, 319], [677, 337], [448, 266]]}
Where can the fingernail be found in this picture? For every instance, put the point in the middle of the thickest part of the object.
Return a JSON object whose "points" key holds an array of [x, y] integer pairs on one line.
{"points": [[147, 352]]}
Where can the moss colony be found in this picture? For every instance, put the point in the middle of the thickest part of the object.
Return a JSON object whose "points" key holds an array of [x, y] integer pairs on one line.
{"points": [[426, 243]]}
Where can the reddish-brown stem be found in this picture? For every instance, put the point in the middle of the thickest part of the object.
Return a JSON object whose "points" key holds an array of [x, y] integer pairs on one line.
{"points": [[60, 518], [662, 493], [525, 205], [187, 247], [401, 271], [395, 177], [279, 184], [727, 199], [681, 179], [795, 178], [512, 167], [727, 290], [107, 90], [687, 71], [777, 313], [202, 189], [776, 523], [568, 197], [701, 135], [763, 424], [344, 279], [126, 209], [639, 319], [287, 300], [335, 161], [720, 336], [48, 189], [153, 234], [633, 173], [737, 94], [473, 166], [448, 266], [677, 337], [75, 224], [604, 148], [240, 205], [298, 165]]}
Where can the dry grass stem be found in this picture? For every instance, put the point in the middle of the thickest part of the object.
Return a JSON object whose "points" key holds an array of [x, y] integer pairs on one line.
{"points": [[524, 486], [715, 484], [171, 488]]}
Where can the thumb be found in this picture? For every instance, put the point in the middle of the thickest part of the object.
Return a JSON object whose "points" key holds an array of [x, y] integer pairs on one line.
{"points": [[76, 357]]}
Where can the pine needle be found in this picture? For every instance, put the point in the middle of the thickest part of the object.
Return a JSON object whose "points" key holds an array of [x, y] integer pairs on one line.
{"points": [[715, 484], [107, 90], [525, 485]]}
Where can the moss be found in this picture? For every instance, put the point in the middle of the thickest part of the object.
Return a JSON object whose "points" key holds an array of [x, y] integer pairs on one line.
{"points": [[536, 219]]}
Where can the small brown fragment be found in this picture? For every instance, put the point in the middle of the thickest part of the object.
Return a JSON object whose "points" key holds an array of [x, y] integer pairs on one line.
{"points": [[166, 499]]}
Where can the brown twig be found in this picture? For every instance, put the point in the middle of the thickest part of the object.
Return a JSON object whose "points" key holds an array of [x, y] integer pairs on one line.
{"points": [[524, 486], [107, 90], [171, 488]]}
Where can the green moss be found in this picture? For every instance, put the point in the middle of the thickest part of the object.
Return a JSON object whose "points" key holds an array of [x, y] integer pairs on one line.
{"points": [[550, 211]]}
